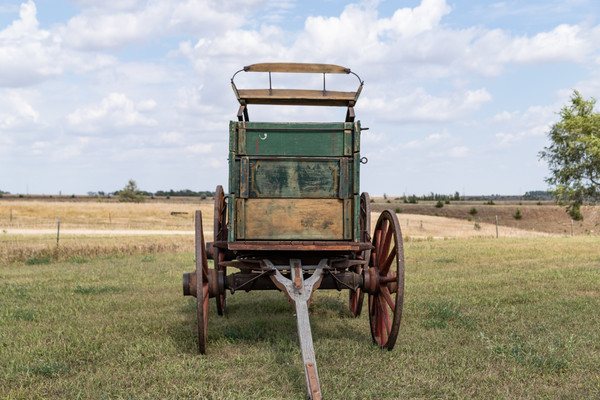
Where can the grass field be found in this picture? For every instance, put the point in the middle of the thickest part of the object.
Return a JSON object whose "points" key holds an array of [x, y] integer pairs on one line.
{"points": [[514, 318]]}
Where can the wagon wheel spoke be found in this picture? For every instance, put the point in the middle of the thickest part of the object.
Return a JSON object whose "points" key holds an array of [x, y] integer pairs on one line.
{"points": [[385, 293], [387, 297], [386, 239], [384, 267], [356, 297], [202, 293], [220, 234]]}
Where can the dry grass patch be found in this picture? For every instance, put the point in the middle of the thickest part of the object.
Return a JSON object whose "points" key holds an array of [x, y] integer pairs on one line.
{"points": [[101, 215]]}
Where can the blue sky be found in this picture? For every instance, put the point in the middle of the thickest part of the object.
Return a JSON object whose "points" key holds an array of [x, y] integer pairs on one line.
{"points": [[459, 95]]}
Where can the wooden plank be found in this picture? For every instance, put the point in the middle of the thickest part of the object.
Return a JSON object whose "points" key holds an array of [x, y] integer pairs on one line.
{"points": [[348, 218], [240, 218], [299, 178], [241, 138], [343, 177], [231, 213], [357, 136], [297, 246], [300, 97], [297, 68], [356, 224], [233, 173], [232, 135], [299, 219], [295, 126], [348, 142], [244, 177], [356, 173]]}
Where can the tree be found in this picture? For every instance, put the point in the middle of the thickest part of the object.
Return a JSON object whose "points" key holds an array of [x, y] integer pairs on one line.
{"points": [[130, 193], [573, 155]]}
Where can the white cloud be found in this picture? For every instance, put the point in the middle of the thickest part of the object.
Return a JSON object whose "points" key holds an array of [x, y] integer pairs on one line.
{"points": [[419, 106], [27, 53], [16, 112], [114, 111], [518, 125]]}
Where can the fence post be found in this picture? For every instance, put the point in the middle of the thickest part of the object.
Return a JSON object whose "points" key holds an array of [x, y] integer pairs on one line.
{"points": [[58, 233], [496, 227], [571, 227]]}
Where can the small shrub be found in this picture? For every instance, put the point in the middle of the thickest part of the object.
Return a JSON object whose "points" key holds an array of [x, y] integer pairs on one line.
{"points": [[469, 219], [398, 210], [439, 204], [490, 203], [388, 201], [575, 212], [539, 203], [477, 227], [372, 201], [447, 201], [518, 214], [473, 211], [39, 260]]}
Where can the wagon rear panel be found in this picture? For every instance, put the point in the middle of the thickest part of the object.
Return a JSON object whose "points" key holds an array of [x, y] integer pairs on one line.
{"points": [[295, 181]]}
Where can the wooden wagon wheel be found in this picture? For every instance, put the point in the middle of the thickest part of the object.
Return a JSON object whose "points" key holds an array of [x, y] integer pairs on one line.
{"points": [[364, 220], [384, 281], [220, 235], [202, 294]]}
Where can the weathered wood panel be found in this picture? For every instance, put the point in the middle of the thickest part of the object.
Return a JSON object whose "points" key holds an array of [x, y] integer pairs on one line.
{"points": [[291, 219], [297, 97], [297, 68], [294, 178]]}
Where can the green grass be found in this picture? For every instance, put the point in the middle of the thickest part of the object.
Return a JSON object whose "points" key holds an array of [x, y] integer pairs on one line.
{"points": [[483, 319]]}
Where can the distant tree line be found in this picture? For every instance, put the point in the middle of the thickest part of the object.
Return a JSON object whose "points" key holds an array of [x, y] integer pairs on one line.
{"points": [[184, 193]]}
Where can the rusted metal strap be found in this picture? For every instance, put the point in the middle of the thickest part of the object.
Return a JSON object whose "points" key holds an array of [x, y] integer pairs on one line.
{"points": [[313, 381]]}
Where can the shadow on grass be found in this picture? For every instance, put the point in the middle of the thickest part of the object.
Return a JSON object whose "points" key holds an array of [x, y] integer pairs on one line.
{"points": [[266, 319]]}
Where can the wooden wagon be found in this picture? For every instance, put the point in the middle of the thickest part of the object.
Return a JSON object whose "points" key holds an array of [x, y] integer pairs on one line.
{"points": [[294, 220]]}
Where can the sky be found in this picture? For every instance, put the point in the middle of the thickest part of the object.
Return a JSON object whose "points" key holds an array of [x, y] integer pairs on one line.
{"points": [[459, 94]]}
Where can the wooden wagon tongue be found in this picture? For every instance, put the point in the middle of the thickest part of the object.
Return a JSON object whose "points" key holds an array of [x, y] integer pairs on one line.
{"points": [[299, 292]]}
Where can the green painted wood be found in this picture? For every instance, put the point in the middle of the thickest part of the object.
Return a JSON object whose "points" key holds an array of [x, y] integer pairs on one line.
{"points": [[356, 174], [344, 175], [231, 204], [241, 138], [294, 162], [233, 173], [356, 220], [357, 136], [295, 139], [308, 178], [233, 125], [244, 177]]}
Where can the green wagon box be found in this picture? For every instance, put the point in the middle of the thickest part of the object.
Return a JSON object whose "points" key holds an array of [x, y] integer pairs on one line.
{"points": [[294, 181]]}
